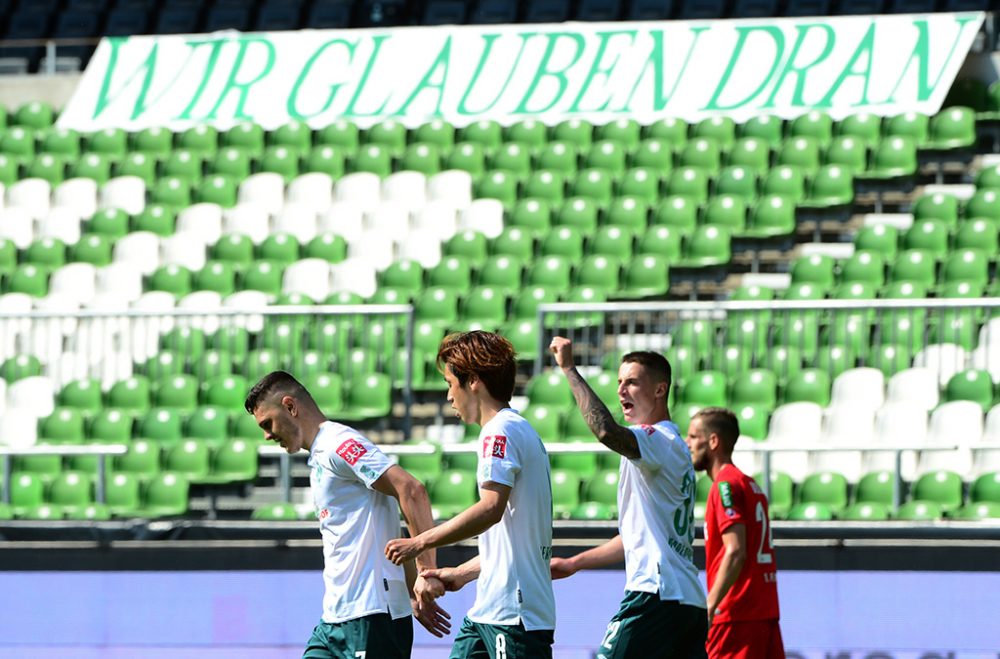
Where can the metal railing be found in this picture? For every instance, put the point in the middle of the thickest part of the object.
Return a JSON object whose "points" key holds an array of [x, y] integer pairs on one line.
{"points": [[102, 451]]}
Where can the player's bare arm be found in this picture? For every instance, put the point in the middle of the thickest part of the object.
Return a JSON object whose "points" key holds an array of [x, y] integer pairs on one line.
{"points": [[454, 578], [734, 543], [472, 521], [610, 553], [616, 437], [415, 506]]}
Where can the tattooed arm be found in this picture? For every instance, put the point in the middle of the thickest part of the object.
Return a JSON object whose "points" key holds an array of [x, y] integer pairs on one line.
{"points": [[616, 437]]}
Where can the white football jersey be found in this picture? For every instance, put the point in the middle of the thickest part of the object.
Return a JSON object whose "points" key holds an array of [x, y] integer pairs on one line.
{"points": [[656, 496], [515, 585], [355, 522]]}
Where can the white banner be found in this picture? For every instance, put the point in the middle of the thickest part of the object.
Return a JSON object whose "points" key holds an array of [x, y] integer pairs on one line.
{"points": [[596, 71]]}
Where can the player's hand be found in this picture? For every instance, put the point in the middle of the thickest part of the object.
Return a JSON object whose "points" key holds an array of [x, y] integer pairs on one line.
{"points": [[561, 568], [427, 589], [401, 550], [447, 576], [562, 348], [433, 618]]}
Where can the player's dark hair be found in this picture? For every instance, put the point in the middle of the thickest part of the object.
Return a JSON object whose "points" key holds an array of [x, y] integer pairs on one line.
{"points": [[654, 363], [488, 356], [722, 422], [275, 382]]}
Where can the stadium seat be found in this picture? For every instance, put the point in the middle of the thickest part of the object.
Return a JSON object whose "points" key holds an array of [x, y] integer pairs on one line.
{"points": [[451, 493], [825, 488], [165, 495]]}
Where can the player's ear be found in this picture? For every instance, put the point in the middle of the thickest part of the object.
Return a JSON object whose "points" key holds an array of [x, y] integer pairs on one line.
{"points": [[289, 403], [714, 441]]}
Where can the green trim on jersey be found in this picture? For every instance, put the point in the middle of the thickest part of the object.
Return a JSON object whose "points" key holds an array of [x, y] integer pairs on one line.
{"points": [[480, 641], [375, 636]]}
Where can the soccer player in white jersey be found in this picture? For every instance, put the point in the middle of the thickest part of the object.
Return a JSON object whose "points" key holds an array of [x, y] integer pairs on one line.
{"points": [[368, 600], [663, 612], [514, 614]]}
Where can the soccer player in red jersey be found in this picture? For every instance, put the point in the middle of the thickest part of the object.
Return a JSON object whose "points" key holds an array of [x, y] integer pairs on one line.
{"points": [[739, 559]]}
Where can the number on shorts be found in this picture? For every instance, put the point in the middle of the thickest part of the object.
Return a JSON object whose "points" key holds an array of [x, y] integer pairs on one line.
{"points": [[501, 646], [361, 654], [764, 556], [610, 635]]}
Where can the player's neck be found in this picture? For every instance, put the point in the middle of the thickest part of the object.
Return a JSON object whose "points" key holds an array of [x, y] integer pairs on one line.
{"points": [[717, 466], [311, 424], [488, 408]]}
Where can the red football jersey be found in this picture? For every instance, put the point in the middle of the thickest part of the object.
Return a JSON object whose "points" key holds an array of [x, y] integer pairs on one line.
{"points": [[736, 499]]}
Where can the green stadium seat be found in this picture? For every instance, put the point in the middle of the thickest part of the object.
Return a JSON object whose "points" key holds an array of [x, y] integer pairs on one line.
{"points": [[529, 132], [785, 180], [984, 510], [865, 512], [725, 211], [705, 389], [112, 142], [660, 241], [879, 238], [831, 186], [93, 249], [26, 490], [70, 489], [978, 234], [911, 125], [155, 218], [810, 512], [171, 191], [218, 276], [689, 182], [864, 126], [217, 189], [863, 267], [811, 385], [565, 492], [513, 158], [966, 265], [753, 421], [827, 488], [814, 124], [202, 138], [164, 495], [110, 222], [929, 235], [751, 153], [707, 246], [49, 253], [324, 159], [9, 169], [851, 153], [37, 115], [576, 131], [739, 181], [373, 158], [754, 387], [341, 134], [731, 360], [701, 152], [47, 167], [468, 157], [640, 183], [280, 160], [368, 397], [208, 423], [875, 487], [43, 512], [986, 487], [91, 512], [766, 127], [602, 487], [452, 492], [579, 213], [45, 467], [275, 512], [551, 271], [893, 157], [952, 128], [155, 141], [654, 154], [188, 459], [246, 136], [137, 164], [18, 144], [941, 487], [485, 305], [545, 185], [485, 132], [801, 152], [595, 184], [605, 154], [914, 265], [532, 215], [920, 511], [771, 216], [64, 426], [110, 426], [972, 384]]}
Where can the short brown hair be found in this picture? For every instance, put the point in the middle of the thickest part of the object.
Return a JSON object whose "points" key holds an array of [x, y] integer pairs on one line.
{"points": [[655, 363], [272, 383], [488, 356], [722, 422]]}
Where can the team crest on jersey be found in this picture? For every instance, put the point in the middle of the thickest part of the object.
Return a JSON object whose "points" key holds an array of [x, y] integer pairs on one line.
{"points": [[648, 428], [495, 446], [351, 451]]}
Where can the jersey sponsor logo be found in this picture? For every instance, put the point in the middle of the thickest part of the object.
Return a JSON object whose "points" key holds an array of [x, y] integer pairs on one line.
{"points": [[648, 428], [323, 514], [495, 446], [725, 494], [368, 472], [351, 451], [730, 512]]}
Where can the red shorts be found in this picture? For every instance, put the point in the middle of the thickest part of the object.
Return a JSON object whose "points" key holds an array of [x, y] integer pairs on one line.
{"points": [[755, 639]]}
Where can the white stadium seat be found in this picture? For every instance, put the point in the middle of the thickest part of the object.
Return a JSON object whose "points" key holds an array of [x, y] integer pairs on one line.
{"points": [[17, 226], [453, 186], [363, 188], [298, 220], [862, 388], [945, 359], [33, 195], [310, 277], [406, 188], [203, 220], [183, 248], [141, 249], [35, 394], [484, 216], [79, 195], [957, 422], [314, 189], [250, 221], [265, 190], [125, 192], [77, 281], [344, 218], [916, 385], [62, 223]]}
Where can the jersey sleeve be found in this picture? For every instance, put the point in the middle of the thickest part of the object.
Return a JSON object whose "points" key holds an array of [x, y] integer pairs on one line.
{"points": [[498, 459], [654, 452], [730, 504], [353, 456]]}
